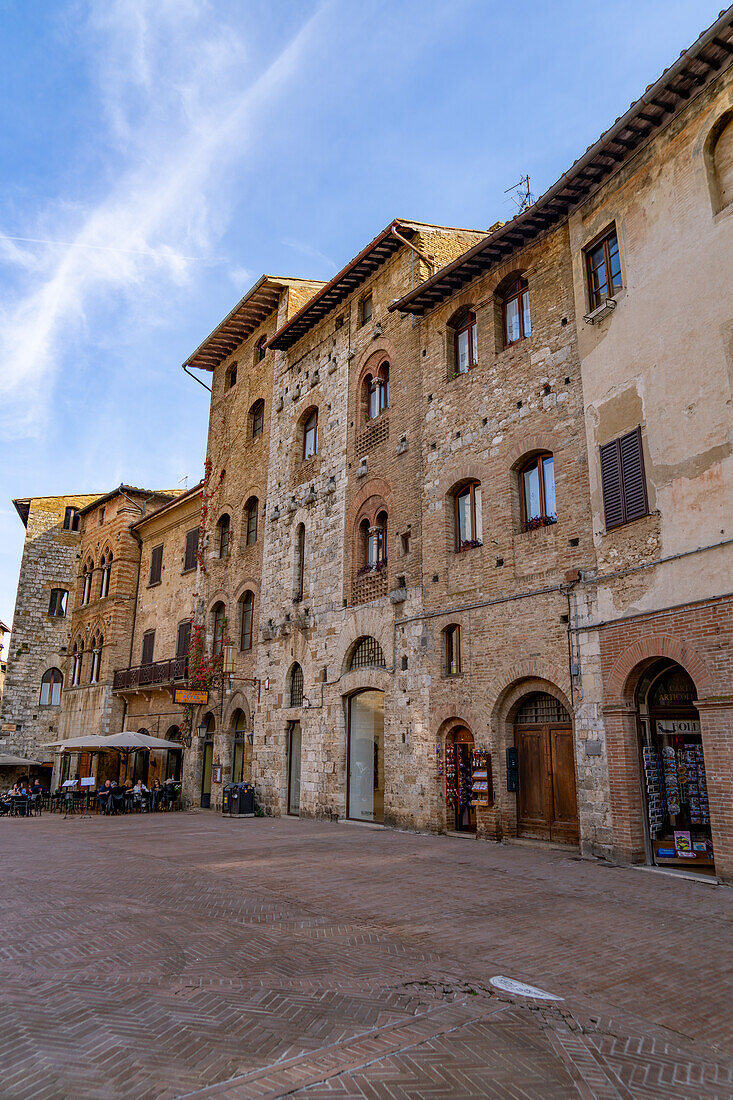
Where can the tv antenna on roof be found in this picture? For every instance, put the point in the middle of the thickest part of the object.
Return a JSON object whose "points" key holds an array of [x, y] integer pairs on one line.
{"points": [[184, 480], [521, 194]]}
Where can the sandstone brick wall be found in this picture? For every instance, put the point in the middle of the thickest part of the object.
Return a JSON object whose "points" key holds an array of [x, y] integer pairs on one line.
{"points": [[39, 641]]}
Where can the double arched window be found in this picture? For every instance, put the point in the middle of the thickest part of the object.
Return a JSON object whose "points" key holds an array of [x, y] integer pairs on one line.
{"points": [[246, 609], [295, 686], [537, 488], [86, 589], [468, 515], [97, 643], [310, 435], [375, 391], [51, 684], [218, 624], [373, 537], [251, 509], [223, 530], [106, 574]]}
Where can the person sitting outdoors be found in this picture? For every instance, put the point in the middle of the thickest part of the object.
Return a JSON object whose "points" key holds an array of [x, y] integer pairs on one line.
{"points": [[104, 795], [138, 791]]}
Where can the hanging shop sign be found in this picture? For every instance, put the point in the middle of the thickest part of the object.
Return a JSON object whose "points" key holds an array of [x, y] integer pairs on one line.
{"points": [[190, 697]]}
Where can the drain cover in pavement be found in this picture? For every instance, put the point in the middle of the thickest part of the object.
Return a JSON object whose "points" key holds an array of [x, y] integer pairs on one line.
{"points": [[509, 985]]}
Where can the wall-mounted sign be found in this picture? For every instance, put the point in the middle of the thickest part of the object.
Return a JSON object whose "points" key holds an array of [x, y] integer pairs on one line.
{"points": [[216, 773], [190, 697], [8, 727], [676, 727]]}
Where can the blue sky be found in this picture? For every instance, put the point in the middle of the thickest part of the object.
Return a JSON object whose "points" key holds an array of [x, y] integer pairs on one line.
{"points": [[156, 156]]}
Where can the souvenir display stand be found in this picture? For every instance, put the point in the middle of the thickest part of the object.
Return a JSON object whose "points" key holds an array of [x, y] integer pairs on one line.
{"points": [[677, 795]]}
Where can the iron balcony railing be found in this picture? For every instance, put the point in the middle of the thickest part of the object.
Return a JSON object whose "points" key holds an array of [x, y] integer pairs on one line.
{"points": [[157, 672]]}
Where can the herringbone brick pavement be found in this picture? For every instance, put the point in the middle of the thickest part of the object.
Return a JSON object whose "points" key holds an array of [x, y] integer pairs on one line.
{"points": [[172, 956]]}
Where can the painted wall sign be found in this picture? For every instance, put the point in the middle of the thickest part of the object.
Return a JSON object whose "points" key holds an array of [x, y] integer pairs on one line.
{"points": [[8, 727], [188, 697]]}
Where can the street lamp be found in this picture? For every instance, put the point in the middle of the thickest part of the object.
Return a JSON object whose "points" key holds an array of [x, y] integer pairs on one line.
{"points": [[202, 730]]}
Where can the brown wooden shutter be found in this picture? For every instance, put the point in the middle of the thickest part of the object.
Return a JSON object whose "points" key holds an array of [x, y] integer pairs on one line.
{"points": [[156, 564], [632, 475], [192, 542], [613, 503], [148, 647], [183, 640], [623, 480]]}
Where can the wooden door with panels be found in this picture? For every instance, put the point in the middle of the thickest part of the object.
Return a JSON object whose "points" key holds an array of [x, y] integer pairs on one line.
{"points": [[547, 807]]}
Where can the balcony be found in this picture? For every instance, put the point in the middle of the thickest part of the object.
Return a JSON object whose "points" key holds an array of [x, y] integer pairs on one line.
{"points": [[158, 672]]}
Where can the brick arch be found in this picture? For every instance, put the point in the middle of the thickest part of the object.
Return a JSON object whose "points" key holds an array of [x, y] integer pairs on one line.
{"points": [[521, 679], [462, 469], [453, 722], [375, 487], [107, 551], [238, 701], [384, 349], [247, 584], [527, 444], [624, 677], [368, 621]]}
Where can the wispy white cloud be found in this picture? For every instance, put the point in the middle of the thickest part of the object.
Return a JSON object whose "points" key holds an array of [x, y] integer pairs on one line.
{"points": [[308, 250], [179, 94]]}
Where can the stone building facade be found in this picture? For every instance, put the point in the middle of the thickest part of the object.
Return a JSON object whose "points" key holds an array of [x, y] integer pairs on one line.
{"points": [[102, 619], [30, 708], [157, 661]]}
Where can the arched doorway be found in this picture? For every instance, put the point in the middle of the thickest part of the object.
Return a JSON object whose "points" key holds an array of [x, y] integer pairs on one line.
{"points": [[207, 762], [365, 788], [673, 767], [547, 805], [458, 780]]}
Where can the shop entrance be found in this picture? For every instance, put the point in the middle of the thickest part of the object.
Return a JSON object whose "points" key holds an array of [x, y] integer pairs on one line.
{"points": [[459, 780], [294, 758], [547, 806], [673, 766], [365, 791]]}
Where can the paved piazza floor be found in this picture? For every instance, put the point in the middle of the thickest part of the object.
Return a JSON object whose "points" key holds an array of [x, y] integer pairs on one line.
{"points": [[183, 955]]}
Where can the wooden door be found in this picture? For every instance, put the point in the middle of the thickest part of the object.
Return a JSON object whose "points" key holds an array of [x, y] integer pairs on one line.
{"points": [[206, 775], [533, 811], [547, 807]]}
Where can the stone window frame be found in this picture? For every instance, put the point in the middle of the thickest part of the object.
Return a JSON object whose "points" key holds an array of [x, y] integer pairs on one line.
{"points": [[516, 290], [53, 677], [714, 134], [230, 377], [260, 349], [71, 519], [300, 543], [535, 459], [96, 649], [105, 578], [251, 520], [305, 427], [374, 381], [77, 662], [452, 650], [369, 524], [224, 536], [57, 603], [256, 419], [366, 308], [295, 685], [218, 629], [459, 489], [246, 607], [86, 582]]}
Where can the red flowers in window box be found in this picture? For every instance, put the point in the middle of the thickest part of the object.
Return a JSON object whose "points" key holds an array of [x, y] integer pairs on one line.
{"points": [[538, 521]]}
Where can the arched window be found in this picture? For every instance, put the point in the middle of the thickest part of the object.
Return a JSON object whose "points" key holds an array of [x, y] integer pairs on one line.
{"points": [[97, 644], [57, 603], [86, 591], [246, 607], [77, 660], [452, 649], [239, 733], [223, 533], [260, 349], [299, 564], [230, 378], [257, 418], [310, 435], [537, 478], [468, 517], [376, 391], [218, 622], [516, 318], [251, 510], [296, 686], [51, 683], [465, 342], [106, 575], [367, 653]]}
